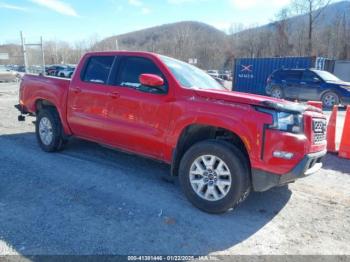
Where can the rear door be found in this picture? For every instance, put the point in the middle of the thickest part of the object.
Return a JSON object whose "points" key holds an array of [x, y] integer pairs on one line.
{"points": [[142, 113], [291, 83], [88, 99], [309, 86]]}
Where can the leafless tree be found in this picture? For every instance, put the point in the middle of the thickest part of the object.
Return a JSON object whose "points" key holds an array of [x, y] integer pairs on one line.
{"points": [[281, 44], [313, 9]]}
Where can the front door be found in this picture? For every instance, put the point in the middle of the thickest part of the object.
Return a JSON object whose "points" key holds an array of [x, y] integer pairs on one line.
{"points": [[141, 113], [309, 86]]}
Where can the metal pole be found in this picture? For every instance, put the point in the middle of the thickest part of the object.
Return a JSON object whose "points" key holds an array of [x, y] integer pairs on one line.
{"points": [[24, 53], [116, 45], [43, 54]]}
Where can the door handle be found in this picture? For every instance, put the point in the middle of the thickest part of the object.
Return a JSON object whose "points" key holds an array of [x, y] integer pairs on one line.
{"points": [[76, 90], [114, 95], [303, 83]]}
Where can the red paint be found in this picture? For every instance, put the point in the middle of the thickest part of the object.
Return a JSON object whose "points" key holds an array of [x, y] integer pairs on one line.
{"points": [[151, 124], [151, 80], [316, 104]]}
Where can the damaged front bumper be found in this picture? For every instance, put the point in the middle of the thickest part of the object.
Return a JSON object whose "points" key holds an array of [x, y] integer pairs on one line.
{"points": [[309, 165]]}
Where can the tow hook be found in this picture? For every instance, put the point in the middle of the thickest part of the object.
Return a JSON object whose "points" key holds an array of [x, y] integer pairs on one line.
{"points": [[21, 118]]}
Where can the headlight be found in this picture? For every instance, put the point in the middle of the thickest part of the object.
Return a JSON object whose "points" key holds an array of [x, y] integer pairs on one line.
{"points": [[285, 121], [347, 88]]}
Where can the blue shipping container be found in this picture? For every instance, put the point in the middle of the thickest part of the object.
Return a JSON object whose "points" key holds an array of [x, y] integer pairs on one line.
{"points": [[250, 74]]}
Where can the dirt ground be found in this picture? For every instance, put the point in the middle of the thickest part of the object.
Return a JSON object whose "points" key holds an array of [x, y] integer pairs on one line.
{"points": [[91, 200]]}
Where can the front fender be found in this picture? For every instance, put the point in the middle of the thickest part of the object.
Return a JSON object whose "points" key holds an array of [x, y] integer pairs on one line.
{"points": [[241, 119]]}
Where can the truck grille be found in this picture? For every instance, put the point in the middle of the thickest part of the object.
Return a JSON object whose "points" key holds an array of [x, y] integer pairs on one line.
{"points": [[319, 127]]}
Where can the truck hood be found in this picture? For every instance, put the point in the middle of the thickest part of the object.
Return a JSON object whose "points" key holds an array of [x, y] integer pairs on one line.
{"points": [[256, 100]]}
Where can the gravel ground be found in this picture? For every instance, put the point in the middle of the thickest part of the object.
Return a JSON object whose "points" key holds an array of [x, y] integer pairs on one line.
{"points": [[93, 200]]}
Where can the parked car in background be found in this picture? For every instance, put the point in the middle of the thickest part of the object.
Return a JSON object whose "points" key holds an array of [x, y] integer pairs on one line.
{"points": [[308, 84], [8, 75], [20, 69], [213, 73], [54, 69], [219, 80], [66, 72], [225, 75]]}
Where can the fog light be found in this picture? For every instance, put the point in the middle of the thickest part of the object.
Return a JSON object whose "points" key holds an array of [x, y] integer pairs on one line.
{"points": [[284, 155]]}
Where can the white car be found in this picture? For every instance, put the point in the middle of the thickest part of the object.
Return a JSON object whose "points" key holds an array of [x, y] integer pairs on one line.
{"points": [[213, 73], [8, 75]]}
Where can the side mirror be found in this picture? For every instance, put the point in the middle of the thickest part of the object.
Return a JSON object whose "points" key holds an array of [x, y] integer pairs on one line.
{"points": [[151, 80], [316, 80]]}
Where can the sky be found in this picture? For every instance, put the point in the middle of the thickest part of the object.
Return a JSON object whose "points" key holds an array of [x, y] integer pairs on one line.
{"points": [[77, 20]]}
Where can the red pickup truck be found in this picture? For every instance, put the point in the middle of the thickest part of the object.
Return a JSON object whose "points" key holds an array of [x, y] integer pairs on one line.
{"points": [[221, 144]]}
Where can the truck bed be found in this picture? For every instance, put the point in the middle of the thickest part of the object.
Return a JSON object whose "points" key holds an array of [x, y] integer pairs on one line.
{"points": [[36, 87]]}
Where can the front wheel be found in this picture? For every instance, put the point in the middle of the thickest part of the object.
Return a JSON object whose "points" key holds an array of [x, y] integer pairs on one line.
{"points": [[330, 99], [277, 92], [214, 176]]}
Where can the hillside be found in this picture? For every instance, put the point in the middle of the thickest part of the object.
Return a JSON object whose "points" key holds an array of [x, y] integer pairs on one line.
{"points": [[183, 40]]}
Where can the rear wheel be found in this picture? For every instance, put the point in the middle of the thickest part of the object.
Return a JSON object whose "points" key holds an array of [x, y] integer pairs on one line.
{"points": [[214, 176], [277, 92], [49, 131], [330, 99]]}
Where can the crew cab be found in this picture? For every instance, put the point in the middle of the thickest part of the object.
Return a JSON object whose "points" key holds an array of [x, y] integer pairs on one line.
{"points": [[221, 144]]}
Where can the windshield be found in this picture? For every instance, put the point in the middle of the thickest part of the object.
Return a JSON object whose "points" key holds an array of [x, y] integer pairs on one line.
{"points": [[190, 76], [326, 76]]}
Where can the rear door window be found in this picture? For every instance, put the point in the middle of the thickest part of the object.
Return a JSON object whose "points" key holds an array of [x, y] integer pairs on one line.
{"points": [[97, 69], [280, 74], [293, 75]]}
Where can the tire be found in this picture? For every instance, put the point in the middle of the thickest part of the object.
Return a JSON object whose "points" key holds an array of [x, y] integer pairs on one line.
{"points": [[48, 123], [210, 197], [330, 99], [277, 92]]}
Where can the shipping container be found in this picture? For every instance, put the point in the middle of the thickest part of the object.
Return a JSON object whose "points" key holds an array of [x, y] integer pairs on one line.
{"points": [[342, 70], [250, 74]]}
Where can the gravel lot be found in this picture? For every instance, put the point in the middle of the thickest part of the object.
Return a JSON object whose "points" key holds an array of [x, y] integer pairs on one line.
{"points": [[92, 200]]}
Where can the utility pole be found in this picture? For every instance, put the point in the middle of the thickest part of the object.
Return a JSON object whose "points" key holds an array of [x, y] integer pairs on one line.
{"points": [[24, 53], [43, 54], [116, 45]]}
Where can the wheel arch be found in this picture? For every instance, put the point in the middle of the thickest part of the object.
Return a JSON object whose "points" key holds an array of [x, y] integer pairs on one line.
{"points": [[332, 90], [195, 133], [42, 103]]}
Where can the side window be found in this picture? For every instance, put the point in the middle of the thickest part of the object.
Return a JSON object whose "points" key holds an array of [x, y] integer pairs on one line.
{"points": [[130, 70], [309, 76], [97, 69], [293, 75], [281, 75]]}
